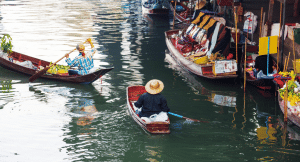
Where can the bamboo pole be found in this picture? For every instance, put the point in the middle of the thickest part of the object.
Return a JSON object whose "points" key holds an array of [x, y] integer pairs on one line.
{"points": [[279, 36], [285, 101], [295, 61], [236, 43], [245, 65], [174, 13], [288, 60], [261, 13], [284, 66]]}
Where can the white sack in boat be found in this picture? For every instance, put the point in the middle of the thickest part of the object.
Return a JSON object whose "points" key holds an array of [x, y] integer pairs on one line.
{"points": [[27, 64], [4, 55]]}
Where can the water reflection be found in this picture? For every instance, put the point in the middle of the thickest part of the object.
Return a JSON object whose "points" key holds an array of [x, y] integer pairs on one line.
{"points": [[48, 119], [215, 95], [6, 86], [86, 109]]}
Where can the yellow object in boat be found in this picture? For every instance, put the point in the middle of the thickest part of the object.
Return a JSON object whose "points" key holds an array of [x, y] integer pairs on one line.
{"points": [[62, 71], [201, 60]]}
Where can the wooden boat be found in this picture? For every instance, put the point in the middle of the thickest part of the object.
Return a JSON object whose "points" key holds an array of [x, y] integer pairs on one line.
{"points": [[185, 15], [15, 56], [203, 70], [293, 117], [149, 7], [264, 84], [157, 127], [182, 16]]}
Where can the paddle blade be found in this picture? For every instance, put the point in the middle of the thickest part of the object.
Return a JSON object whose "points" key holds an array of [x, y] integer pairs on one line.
{"points": [[38, 74], [195, 120]]}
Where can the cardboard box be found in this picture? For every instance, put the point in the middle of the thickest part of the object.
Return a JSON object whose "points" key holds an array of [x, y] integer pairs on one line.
{"points": [[224, 67]]}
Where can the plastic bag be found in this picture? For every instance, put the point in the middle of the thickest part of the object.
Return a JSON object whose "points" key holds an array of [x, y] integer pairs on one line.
{"points": [[162, 116], [251, 23]]}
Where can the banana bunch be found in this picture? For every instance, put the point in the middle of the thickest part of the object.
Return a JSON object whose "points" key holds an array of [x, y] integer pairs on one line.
{"points": [[58, 69], [286, 74]]}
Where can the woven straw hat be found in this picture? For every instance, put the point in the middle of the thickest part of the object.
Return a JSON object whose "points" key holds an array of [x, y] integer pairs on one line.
{"points": [[80, 47], [200, 4], [154, 86]]}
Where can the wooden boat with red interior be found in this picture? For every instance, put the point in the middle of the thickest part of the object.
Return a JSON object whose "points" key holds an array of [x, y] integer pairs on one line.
{"points": [[262, 83], [182, 15], [203, 48], [16, 61], [153, 127]]}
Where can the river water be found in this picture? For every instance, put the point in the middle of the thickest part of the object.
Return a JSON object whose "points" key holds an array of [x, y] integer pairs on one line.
{"points": [[55, 121]]}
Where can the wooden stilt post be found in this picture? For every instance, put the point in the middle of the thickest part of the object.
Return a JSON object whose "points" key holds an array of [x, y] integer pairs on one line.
{"points": [[236, 43], [245, 64], [261, 13], [270, 16]]}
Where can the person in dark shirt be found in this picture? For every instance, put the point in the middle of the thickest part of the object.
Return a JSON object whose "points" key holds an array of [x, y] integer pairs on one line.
{"points": [[152, 102], [261, 64]]}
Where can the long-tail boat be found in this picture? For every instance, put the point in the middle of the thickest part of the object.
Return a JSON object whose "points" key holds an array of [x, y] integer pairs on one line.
{"points": [[153, 127], [203, 48], [13, 63]]}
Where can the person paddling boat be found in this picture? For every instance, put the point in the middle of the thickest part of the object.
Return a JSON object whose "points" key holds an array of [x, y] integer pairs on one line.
{"points": [[152, 102], [84, 61]]}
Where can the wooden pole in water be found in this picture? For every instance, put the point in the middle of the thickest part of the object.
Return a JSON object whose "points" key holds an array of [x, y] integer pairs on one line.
{"points": [[279, 36], [174, 13], [236, 43], [285, 101], [245, 64]]}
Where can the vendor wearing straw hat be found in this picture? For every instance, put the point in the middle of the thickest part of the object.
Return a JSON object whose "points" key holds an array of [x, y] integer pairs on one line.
{"points": [[152, 102]]}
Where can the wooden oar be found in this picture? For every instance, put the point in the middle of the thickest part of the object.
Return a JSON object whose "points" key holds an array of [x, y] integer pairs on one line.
{"points": [[187, 118], [42, 72]]}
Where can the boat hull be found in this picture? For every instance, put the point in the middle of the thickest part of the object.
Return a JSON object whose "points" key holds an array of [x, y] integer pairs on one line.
{"points": [[151, 11], [133, 93], [82, 79]]}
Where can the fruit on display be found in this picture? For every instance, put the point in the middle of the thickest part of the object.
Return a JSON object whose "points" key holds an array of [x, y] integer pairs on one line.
{"points": [[58, 69], [293, 92]]}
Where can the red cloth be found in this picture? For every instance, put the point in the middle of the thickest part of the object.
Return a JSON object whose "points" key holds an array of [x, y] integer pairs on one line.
{"points": [[230, 56], [280, 80]]}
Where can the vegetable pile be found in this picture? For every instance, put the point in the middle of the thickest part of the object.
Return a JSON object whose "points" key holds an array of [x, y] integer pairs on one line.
{"points": [[58, 69]]}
